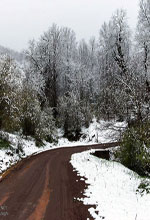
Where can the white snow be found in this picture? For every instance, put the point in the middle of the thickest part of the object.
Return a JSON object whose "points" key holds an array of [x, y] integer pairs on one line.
{"points": [[9, 157], [112, 188], [98, 132]]}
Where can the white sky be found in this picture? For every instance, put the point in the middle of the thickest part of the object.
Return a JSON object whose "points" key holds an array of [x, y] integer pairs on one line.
{"points": [[23, 20]]}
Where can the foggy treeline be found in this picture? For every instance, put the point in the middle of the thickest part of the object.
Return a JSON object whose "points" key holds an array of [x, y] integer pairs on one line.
{"points": [[65, 83]]}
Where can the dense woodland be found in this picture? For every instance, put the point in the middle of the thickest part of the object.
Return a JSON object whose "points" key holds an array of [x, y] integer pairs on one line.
{"points": [[59, 82]]}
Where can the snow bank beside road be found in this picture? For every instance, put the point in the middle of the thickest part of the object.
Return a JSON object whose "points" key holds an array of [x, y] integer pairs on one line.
{"points": [[9, 157], [112, 188]]}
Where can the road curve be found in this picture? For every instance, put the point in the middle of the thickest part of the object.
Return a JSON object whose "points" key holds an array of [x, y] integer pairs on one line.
{"points": [[44, 187]]}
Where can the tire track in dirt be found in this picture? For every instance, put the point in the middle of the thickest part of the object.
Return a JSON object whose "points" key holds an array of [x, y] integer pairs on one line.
{"points": [[40, 209]]}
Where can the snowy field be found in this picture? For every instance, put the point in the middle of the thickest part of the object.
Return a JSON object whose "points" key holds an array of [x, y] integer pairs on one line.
{"points": [[112, 188], [98, 132]]}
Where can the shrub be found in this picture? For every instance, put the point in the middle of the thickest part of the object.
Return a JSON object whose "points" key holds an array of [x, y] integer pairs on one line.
{"points": [[73, 114], [30, 111], [45, 128], [10, 88], [144, 187], [4, 143], [134, 152]]}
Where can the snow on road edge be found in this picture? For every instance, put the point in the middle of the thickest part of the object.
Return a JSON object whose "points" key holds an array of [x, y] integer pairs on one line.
{"points": [[112, 188]]}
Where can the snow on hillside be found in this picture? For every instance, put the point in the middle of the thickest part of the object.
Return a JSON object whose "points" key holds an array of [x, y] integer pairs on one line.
{"points": [[18, 56], [9, 157], [98, 132], [102, 131], [112, 188]]}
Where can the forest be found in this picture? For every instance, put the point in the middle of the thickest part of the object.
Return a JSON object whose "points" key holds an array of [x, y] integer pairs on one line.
{"points": [[59, 82]]}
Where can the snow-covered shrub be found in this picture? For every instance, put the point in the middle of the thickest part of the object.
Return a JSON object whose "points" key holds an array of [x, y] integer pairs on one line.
{"points": [[135, 148], [36, 121], [144, 187], [46, 126], [70, 116], [30, 112], [10, 88], [74, 113], [87, 112]]}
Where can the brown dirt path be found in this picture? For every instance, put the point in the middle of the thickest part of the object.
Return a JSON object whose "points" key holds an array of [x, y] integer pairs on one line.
{"points": [[44, 187]]}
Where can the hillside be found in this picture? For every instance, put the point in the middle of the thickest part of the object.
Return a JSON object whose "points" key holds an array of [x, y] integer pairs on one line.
{"points": [[18, 56]]}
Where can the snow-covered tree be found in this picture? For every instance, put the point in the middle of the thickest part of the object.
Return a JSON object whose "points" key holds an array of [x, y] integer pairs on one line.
{"points": [[114, 62], [36, 121], [143, 39], [51, 59], [11, 80]]}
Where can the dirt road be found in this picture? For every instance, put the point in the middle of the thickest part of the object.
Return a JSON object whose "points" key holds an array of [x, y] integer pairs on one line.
{"points": [[44, 187]]}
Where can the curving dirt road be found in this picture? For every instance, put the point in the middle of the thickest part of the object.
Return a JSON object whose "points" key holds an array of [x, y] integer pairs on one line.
{"points": [[44, 187]]}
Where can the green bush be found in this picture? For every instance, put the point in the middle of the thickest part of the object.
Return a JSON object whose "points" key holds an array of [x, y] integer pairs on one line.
{"points": [[134, 152], [144, 187], [4, 144]]}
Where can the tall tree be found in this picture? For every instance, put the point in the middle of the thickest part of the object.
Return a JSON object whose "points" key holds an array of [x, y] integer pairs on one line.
{"points": [[143, 38], [114, 59]]}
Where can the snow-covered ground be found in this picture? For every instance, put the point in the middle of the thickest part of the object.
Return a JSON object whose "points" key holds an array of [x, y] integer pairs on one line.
{"points": [[112, 188], [9, 157], [98, 132]]}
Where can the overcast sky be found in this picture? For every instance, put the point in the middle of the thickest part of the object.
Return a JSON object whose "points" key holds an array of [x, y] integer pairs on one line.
{"points": [[22, 20]]}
